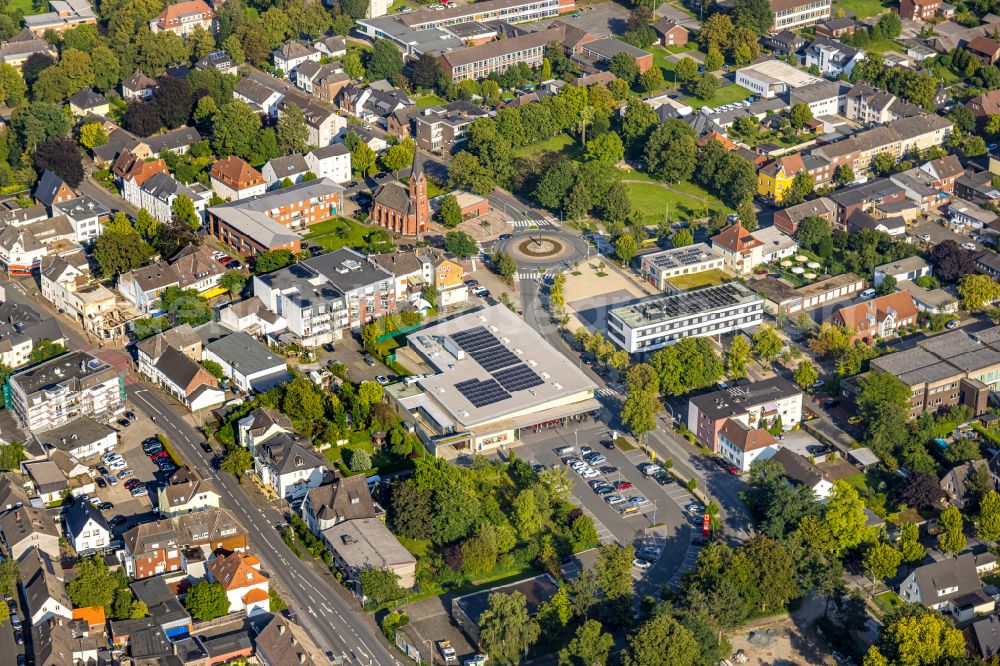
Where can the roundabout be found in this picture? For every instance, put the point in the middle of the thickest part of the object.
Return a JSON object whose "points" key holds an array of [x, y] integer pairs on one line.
{"points": [[544, 249]]}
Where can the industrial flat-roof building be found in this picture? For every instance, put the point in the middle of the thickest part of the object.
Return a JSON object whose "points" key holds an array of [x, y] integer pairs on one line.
{"points": [[773, 77], [493, 376], [658, 321], [658, 267]]}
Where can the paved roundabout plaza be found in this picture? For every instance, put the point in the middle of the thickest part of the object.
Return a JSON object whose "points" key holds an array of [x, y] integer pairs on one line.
{"points": [[544, 249]]}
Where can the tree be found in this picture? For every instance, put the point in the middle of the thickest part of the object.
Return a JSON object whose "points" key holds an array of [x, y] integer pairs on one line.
{"points": [[888, 286], [799, 115], [661, 641], [883, 403], [909, 543], [172, 101], [624, 66], [292, 132], [118, 253], [352, 65], [384, 62], [214, 369], [206, 601], [204, 113], [605, 148], [141, 118], [272, 261], [236, 127], [686, 69], [379, 585], [922, 490], [449, 212], [766, 344], [737, 356], [237, 461], [506, 630], [504, 264], [233, 282], [38, 122], [429, 293], [614, 575], [92, 584], [705, 86], [62, 157], [426, 71], [890, 25], [974, 146], [671, 151], [183, 211], [689, 364], [591, 646], [92, 134], [716, 31], [963, 119], [881, 561], [45, 349], [952, 538], [399, 156], [681, 238], [951, 263], [805, 374], [467, 173], [34, 66], [460, 244], [753, 14], [844, 175], [978, 291], [845, 514], [917, 636], [713, 60], [652, 80], [988, 527]]}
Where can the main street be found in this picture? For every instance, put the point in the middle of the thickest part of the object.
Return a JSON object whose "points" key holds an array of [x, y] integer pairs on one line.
{"points": [[337, 627]]}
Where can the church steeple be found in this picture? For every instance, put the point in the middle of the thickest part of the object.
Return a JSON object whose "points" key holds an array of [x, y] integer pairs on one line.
{"points": [[418, 193]]}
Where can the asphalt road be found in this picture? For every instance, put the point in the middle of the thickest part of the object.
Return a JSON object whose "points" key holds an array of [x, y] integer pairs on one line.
{"points": [[330, 620], [94, 189]]}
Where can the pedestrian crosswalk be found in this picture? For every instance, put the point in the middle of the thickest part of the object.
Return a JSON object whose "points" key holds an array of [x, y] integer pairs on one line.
{"points": [[528, 275], [609, 393], [528, 224]]}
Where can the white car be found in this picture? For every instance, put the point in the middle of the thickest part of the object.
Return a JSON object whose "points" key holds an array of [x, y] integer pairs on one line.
{"points": [[614, 499], [968, 246], [582, 469], [925, 237], [108, 457], [642, 565], [590, 473], [117, 465], [867, 293]]}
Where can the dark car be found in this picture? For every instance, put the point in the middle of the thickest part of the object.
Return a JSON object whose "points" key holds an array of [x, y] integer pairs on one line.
{"points": [[234, 265], [206, 447], [100, 482], [117, 520], [124, 423], [472, 283], [506, 236], [130, 416], [663, 479], [608, 444], [21, 660], [105, 506], [608, 469]]}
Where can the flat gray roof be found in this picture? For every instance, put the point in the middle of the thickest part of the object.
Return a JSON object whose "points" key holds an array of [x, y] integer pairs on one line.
{"points": [[659, 309], [245, 354]]}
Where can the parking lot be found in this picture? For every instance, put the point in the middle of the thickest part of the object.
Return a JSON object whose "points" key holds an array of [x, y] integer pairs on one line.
{"points": [[660, 522]]}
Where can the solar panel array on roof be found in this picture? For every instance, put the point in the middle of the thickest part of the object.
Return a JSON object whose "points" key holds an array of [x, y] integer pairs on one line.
{"points": [[518, 378], [482, 393], [509, 374]]}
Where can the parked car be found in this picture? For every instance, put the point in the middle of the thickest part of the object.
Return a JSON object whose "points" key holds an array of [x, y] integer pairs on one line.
{"points": [[382, 380], [18, 637], [954, 323], [139, 492], [130, 415], [112, 481], [867, 293], [160, 455], [663, 479], [638, 500], [608, 470], [614, 499], [124, 423], [472, 283], [370, 361], [206, 447], [116, 521], [642, 565], [105, 506], [623, 485]]}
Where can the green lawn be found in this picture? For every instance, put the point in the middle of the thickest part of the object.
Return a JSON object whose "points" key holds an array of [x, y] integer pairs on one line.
{"points": [[888, 601], [724, 95], [884, 45], [861, 8], [428, 100], [656, 202], [26, 6], [703, 279], [560, 143], [325, 233]]}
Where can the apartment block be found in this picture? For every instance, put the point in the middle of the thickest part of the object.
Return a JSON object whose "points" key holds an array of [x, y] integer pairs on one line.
{"points": [[64, 388], [897, 138], [757, 405], [183, 17], [658, 321], [658, 268]]}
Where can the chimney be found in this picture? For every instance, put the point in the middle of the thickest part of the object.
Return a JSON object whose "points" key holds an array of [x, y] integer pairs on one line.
{"points": [[281, 629]]}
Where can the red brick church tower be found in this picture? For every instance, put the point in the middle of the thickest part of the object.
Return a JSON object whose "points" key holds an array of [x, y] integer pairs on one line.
{"points": [[403, 209]]}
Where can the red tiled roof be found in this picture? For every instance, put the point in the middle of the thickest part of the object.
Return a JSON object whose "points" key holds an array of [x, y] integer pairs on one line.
{"points": [[856, 316], [735, 238]]}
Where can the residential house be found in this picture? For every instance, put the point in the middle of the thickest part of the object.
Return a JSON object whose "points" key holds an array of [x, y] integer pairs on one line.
{"points": [[670, 32], [954, 482], [259, 425], [86, 527], [100, 311], [282, 642], [158, 193], [333, 162], [919, 10], [792, 14], [987, 50], [247, 364], [138, 87], [931, 301], [878, 318], [910, 268], [775, 245], [291, 168], [269, 96], [261, 223], [21, 326], [41, 580], [983, 637], [373, 104], [132, 171], [446, 272], [836, 28], [184, 379], [775, 178], [951, 585], [291, 54], [12, 493], [898, 138], [186, 490], [245, 585], [16, 50], [604, 50], [233, 179], [403, 209], [219, 60], [983, 106], [80, 438], [739, 249], [158, 547], [47, 480], [798, 470], [788, 219], [286, 464], [864, 198], [26, 527], [250, 316], [824, 98], [51, 189], [784, 43], [742, 445], [832, 57], [183, 17], [262, 98], [324, 81], [333, 47], [366, 542], [64, 388], [869, 105], [88, 102], [766, 402], [324, 296], [345, 498], [177, 141], [440, 128], [87, 216], [193, 267]]}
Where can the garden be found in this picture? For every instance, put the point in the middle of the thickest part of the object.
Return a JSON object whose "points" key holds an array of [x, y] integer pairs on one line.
{"points": [[338, 232]]}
